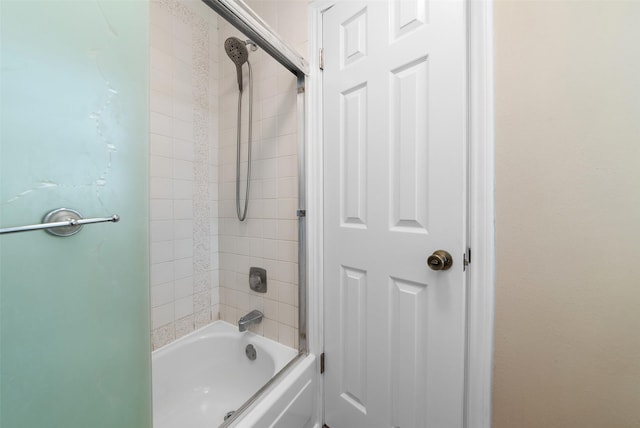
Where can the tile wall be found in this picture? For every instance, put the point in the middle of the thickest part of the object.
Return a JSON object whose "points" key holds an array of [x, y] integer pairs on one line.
{"points": [[200, 252], [183, 159], [268, 238]]}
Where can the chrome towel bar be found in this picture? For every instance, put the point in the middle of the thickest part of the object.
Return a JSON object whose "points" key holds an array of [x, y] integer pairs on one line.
{"points": [[61, 222]]}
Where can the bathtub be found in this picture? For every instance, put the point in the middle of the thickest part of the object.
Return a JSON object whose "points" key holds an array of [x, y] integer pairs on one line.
{"points": [[201, 377]]}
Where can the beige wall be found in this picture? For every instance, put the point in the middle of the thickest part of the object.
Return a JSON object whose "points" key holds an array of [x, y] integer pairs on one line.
{"points": [[567, 333]]}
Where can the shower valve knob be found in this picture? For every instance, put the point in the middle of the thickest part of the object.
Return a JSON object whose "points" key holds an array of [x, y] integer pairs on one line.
{"points": [[439, 260]]}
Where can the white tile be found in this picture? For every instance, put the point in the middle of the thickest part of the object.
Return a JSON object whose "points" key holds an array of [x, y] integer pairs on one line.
{"points": [[161, 81], [215, 312], [215, 296], [161, 251], [159, 15], [183, 149], [288, 293], [270, 229], [232, 298], [182, 189], [288, 251], [183, 209], [242, 245], [287, 230], [287, 84], [256, 247], [162, 315], [272, 106], [287, 145], [270, 329], [161, 209], [268, 87], [161, 273], [160, 166], [160, 102], [269, 127], [287, 122], [159, 59], [271, 309], [228, 173], [231, 315], [160, 145], [243, 302], [181, 129], [287, 166], [183, 287], [266, 149], [161, 230], [269, 189], [183, 73], [183, 248], [269, 208], [160, 38], [287, 187], [183, 111], [161, 124], [286, 335], [271, 168], [183, 307], [287, 208], [182, 169], [161, 294], [183, 229], [287, 314], [270, 248], [183, 268], [161, 188]]}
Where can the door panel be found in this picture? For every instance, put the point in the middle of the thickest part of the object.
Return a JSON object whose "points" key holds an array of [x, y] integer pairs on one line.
{"points": [[394, 142], [74, 311]]}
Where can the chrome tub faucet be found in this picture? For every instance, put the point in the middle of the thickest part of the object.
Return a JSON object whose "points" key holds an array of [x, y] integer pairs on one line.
{"points": [[253, 317]]}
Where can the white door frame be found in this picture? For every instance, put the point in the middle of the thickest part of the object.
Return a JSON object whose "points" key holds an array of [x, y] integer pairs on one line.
{"points": [[480, 153]]}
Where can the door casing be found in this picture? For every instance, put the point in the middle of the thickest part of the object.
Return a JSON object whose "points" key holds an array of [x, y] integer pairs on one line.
{"points": [[481, 218]]}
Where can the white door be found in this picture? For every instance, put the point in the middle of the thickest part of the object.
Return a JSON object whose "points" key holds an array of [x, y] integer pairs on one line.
{"points": [[394, 137]]}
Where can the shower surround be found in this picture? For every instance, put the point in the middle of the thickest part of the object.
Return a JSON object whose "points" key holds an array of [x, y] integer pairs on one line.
{"points": [[200, 252], [183, 168]]}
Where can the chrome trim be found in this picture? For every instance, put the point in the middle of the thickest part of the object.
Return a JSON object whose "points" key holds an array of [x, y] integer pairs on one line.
{"points": [[238, 14], [302, 219], [253, 317], [63, 217]]}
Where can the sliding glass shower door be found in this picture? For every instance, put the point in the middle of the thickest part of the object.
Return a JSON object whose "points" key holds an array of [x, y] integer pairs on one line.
{"points": [[74, 317]]}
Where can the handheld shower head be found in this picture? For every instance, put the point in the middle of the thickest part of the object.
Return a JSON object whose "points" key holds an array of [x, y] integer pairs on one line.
{"points": [[237, 51]]}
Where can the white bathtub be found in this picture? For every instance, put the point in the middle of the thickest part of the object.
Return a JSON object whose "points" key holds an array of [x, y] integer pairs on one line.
{"points": [[201, 377]]}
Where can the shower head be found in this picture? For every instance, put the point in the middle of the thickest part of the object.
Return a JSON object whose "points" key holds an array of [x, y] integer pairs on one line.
{"points": [[237, 51]]}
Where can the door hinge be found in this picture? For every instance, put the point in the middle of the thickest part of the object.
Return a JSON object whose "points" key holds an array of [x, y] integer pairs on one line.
{"points": [[466, 257], [321, 58], [322, 363], [301, 213]]}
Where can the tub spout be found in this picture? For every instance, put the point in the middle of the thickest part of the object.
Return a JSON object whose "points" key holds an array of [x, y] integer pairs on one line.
{"points": [[253, 317]]}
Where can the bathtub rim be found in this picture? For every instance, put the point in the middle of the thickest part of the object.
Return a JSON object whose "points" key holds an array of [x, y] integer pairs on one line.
{"points": [[276, 380], [229, 330]]}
